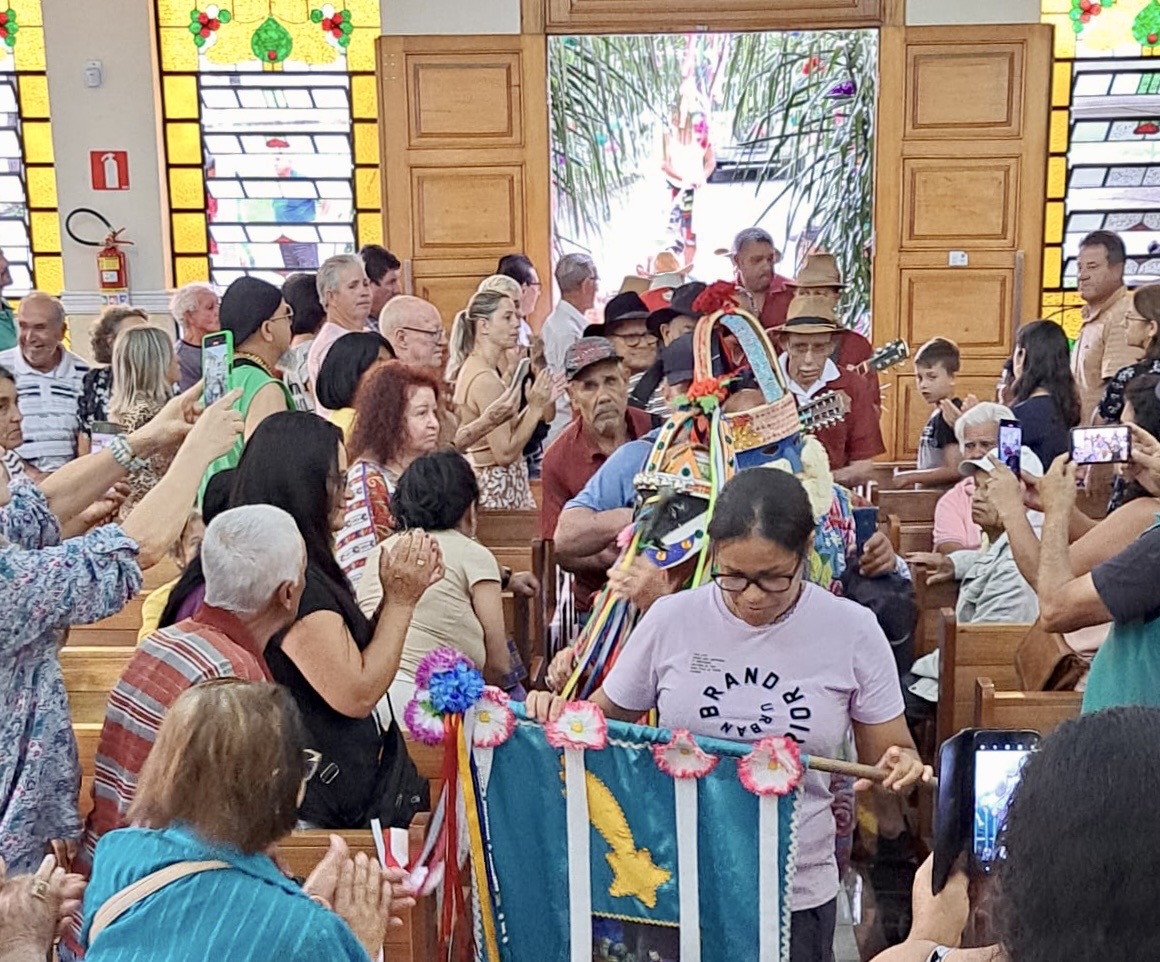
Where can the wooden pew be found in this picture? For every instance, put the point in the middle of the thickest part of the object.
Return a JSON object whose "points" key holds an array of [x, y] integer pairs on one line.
{"points": [[929, 600], [910, 518], [967, 652], [1041, 711], [121, 629], [509, 535], [89, 675]]}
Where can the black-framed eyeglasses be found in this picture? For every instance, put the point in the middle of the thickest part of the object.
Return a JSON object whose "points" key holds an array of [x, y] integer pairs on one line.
{"points": [[735, 584], [637, 340], [437, 334]]}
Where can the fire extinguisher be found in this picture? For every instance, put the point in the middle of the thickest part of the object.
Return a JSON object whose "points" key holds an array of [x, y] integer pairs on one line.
{"points": [[111, 269], [112, 275]]}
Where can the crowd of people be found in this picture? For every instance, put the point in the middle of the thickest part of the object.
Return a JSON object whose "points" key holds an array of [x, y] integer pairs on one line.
{"points": [[323, 515]]}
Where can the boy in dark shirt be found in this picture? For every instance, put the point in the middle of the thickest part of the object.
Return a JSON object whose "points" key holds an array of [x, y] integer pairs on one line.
{"points": [[935, 367]]}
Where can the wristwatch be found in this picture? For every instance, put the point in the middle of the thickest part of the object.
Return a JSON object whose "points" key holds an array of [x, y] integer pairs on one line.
{"points": [[123, 454]]}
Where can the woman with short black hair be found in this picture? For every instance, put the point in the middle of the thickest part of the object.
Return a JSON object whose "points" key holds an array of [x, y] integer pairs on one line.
{"points": [[1046, 399], [759, 651], [439, 494], [342, 372]]}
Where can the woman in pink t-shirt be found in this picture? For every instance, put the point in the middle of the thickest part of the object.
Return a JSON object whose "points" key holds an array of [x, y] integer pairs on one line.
{"points": [[759, 651]]}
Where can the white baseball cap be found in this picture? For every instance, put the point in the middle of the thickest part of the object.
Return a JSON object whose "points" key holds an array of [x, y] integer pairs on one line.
{"points": [[1029, 463]]}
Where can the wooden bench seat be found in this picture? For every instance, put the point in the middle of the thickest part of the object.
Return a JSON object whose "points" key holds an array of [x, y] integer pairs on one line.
{"points": [[1041, 711], [89, 675], [930, 600], [967, 652]]}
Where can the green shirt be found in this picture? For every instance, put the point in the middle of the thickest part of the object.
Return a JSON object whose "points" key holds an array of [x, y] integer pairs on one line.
{"points": [[250, 379], [8, 337], [1126, 669]]}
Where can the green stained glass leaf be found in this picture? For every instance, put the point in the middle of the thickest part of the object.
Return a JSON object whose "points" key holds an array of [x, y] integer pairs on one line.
{"points": [[1146, 27], [225, 16], [271, 42], [316, 16]]}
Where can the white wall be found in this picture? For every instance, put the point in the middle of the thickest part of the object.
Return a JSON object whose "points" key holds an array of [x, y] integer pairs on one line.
{"points": [[409, 17], [934, 12], [121, 114]]}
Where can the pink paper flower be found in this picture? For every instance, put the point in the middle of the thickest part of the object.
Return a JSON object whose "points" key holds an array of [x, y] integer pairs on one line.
{"points": [[774, 767], [494, 721], [580, 725], [681, 757], [422, 720]]}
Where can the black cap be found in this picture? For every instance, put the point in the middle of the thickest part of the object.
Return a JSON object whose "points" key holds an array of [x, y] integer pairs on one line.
{"points": [[624, 307], [248, 303], [677, 360], [681, 305]]}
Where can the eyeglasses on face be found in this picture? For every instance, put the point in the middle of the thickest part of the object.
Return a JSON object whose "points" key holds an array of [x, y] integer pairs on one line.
{"points": [[288, 314], [438, 333], [735, 584], [636, 340]]}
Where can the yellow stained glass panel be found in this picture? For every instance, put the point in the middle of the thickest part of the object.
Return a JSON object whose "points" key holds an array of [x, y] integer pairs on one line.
{"points": [[1064, 36], [1060, 132], [189, 234], [29, 50], [33, 96], [1061, 85], [1056, 177], [186, 188], [369, 228], [1072, 299], [177, 49], [183, 142], [1072, 321], [28, 13], [1055, 6], [1051, 299], [364, 98], [186, 270], [366, 144], [180, 97], [45, 230], [41, 186], [174, 13], [37, 142], [1052, 266], [48, 273], [1053, 222], [360, 55], [367, 194]]}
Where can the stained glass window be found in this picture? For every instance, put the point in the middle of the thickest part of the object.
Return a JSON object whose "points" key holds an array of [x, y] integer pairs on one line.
{"points": [[29, 228], [1104, 163], [270, 110]]}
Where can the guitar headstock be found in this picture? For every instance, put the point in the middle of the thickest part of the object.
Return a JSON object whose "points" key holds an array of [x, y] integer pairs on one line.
{"points": [[895, 352], [825, 409]]}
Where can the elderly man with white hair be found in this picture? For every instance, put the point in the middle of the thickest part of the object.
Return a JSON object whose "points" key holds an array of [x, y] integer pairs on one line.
{"points": [[977, 431], [254, 561], [49, 382], [345, 293], [195, 311]]}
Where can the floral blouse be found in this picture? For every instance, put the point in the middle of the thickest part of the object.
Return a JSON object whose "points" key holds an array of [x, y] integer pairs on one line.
{"points": [[45, 586], [93, 404]]}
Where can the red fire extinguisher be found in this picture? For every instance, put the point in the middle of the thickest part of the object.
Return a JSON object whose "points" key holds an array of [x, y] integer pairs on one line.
{"points": [[111, 268]]}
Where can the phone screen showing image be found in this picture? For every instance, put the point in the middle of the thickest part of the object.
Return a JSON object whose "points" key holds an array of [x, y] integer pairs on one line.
{"points": [[1011, 444], [1108, 444], [999, 762], [216, 351]]}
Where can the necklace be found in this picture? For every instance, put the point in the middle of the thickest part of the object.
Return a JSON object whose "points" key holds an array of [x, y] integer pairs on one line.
{"points": [[254, 359]]}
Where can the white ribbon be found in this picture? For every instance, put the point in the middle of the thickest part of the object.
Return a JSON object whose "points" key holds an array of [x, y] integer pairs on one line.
{"points": [[768, 887], [579, 865], [685, 800]]}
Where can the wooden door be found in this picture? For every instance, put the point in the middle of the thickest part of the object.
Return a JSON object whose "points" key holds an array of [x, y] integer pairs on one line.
{"points": [[464, 142], [962, 157]]}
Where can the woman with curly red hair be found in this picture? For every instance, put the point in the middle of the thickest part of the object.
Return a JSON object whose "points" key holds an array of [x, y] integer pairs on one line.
{"points": [[396, 421]]}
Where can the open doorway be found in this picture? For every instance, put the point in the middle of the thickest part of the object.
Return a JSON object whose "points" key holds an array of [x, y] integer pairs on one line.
{"points": [[668, 144]]}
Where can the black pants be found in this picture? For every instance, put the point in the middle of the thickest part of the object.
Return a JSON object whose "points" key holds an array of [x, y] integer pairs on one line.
{"points": [[812, 933]]}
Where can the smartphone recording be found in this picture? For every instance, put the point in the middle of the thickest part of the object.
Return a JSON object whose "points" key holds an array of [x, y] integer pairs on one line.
{"points": [[1107, 444]]}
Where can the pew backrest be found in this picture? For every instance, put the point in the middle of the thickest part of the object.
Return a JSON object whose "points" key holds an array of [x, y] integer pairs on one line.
{"points": [[1041, 711], [90, 672]]}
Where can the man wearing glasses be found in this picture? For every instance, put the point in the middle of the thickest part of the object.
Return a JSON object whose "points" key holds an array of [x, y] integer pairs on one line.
{"points": [[416, 334]]}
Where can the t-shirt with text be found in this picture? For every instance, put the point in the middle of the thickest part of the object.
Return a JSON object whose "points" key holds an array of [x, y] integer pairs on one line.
{"points": [[807, 677]]}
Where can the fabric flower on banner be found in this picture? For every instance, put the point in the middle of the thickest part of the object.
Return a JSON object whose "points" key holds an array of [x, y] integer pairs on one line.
{"points": [[455, 691], [441, 659], [774, 767], [580, 725], [682, 757], [494, 721], [718, 296], [422, 720]]}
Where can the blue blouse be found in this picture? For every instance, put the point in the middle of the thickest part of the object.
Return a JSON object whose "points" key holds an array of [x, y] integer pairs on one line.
{"points": [[249, 912], [45, 586]]}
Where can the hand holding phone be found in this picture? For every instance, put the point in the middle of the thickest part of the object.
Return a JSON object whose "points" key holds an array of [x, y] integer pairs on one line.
{"points": [[522, 370], [103, 434], [865, 525], [217, 361], [1011, 445]]}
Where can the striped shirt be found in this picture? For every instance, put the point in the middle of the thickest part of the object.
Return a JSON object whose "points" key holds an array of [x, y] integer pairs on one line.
{"points": [[49, 403], [211, 644]]}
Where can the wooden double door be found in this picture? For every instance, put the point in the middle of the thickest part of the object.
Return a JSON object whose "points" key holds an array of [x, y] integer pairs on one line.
{"points": [[961, 163]]}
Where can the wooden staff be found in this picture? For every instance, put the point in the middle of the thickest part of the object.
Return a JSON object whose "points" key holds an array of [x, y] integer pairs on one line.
{"points": [[853, 769]]}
